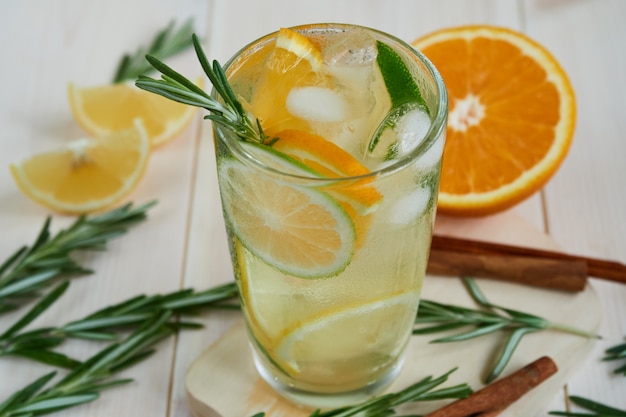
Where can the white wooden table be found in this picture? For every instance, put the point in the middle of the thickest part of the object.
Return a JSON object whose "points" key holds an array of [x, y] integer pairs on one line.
{"points": [[44, 44]]}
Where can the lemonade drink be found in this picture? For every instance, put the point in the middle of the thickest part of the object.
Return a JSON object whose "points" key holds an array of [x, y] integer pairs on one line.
{"points": [[329, 219]]}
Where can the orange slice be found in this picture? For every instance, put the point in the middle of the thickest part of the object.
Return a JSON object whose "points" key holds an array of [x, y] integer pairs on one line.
{"points": [[512, 113], [88, 174], [294, 62], [330, 161], [105, 109]]}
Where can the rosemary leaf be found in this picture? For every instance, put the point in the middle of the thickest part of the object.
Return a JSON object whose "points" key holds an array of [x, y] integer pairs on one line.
{"points": [[507, 352], [598, 409], [36, 311], [168, 42], [480, 330], [48, 357], [56, 404], [617, 352], [26, 393]]}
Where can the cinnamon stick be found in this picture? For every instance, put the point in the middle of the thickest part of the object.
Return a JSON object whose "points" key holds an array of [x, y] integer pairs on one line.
{"points": [[559, 274], [599, 268], [498, 395], [537, 267]]}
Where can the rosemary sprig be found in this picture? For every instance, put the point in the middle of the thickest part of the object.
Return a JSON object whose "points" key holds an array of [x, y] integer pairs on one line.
{"points": [[32, 269], [228, 113], [385, 405], [617, 352], [167, 42], [84, 383], [104, 324], [153, 318], [489, 319], [598, 409]]}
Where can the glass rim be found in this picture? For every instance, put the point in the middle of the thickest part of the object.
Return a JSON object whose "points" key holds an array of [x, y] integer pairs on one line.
{"points": [[435, 131]]}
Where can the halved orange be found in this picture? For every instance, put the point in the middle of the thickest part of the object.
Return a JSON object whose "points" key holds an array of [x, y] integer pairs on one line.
{"points": [[105, 109], [512, 112], [88, 174]]}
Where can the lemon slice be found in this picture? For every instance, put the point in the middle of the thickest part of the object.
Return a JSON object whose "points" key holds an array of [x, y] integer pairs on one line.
{"points": [[88, 174], [300, 231], [321, 342], [104, 109]]}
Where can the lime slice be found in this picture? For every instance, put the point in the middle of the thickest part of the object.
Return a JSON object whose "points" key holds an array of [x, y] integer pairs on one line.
{"points": [[400, 84], [348, 340], [405, 97], [298, 230]]}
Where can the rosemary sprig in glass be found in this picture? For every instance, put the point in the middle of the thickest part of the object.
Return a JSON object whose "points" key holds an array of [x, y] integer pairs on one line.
{"points": [[384, 405], [32, 269], [598, 409], [105, 324], [229, 113], [489, 319], [166, 43]]}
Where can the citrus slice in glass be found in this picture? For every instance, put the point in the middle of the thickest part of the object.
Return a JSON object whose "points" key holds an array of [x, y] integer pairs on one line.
{"points": [[294, 62], [328, 160], [511, 116], [88, 174], [298, 230], [356, 196], [321, 342], [102, 110]]}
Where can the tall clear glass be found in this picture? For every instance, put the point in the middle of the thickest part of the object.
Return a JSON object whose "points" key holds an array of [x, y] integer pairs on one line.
{"points": [[329, 220]]}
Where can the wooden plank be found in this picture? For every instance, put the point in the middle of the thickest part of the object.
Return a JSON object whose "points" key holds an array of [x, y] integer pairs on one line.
{"points": [[585, 200], [45, 45]]}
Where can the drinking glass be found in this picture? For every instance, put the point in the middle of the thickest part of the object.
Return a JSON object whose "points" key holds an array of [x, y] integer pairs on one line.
{"points": [[329, 220]]}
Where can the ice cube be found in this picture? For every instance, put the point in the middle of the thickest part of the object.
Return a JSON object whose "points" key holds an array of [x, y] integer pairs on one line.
{"points": [[352, 48], [317, 104], [432, 156], [411, 129], [408, 207], [402, 130], [350, 59]]}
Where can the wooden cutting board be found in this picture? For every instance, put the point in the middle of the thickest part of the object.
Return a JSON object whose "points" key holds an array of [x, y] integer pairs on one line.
{"points": [[222, 382]]}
